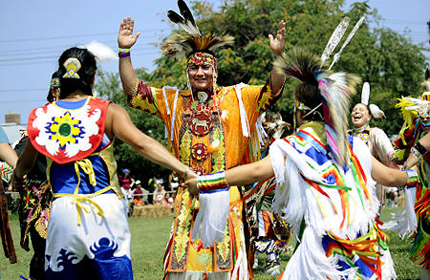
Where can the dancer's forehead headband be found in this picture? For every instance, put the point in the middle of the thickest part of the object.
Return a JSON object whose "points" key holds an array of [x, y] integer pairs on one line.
{"points": [[202, 58]]}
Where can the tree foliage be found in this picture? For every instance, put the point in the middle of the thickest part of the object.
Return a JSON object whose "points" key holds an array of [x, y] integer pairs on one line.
{"points": [[389, 61]]}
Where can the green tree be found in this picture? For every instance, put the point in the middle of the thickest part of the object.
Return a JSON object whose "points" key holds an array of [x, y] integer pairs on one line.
{"points": [[389, 61]]}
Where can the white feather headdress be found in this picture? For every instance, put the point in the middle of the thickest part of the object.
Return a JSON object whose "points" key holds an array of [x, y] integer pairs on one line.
{"points": [[335, 90], [374, 109]]}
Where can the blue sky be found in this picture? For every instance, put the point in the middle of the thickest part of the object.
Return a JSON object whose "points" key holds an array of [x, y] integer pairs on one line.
{"points": [[34, 33]]}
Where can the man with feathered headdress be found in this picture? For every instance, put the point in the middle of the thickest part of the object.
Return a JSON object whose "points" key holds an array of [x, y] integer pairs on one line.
{"points": [[210, 129], [375, 138]]}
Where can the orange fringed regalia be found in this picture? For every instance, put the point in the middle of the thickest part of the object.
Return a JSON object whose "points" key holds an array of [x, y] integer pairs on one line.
{"points": [[208, 138]]}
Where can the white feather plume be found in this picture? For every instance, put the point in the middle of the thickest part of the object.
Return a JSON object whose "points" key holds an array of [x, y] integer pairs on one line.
{"points": [[365, 93], [376, 112], [335, 38], [414, 103], [101, 51], [348, 39]]}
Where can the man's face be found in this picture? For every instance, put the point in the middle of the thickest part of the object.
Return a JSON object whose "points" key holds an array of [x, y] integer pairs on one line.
{"points": [[200, 76], [360, 115]]}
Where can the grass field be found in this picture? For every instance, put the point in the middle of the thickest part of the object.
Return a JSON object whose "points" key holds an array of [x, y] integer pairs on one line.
{"points": [[149, 238]]}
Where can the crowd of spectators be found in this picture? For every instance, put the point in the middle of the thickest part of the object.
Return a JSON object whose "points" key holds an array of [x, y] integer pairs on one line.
{"points": [[157, 191]]}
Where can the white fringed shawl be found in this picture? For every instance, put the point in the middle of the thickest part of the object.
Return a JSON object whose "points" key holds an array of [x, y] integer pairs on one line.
{"points": [[407, 220]]}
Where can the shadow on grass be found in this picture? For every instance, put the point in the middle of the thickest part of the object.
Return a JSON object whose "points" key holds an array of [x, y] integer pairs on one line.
{"points": [[150, 236]]}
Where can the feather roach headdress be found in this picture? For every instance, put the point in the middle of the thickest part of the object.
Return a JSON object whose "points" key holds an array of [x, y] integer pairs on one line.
{"points": [[408, 107], [199, 49], [415, 108], [412, 110], [178, 45], [334, 89]]}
